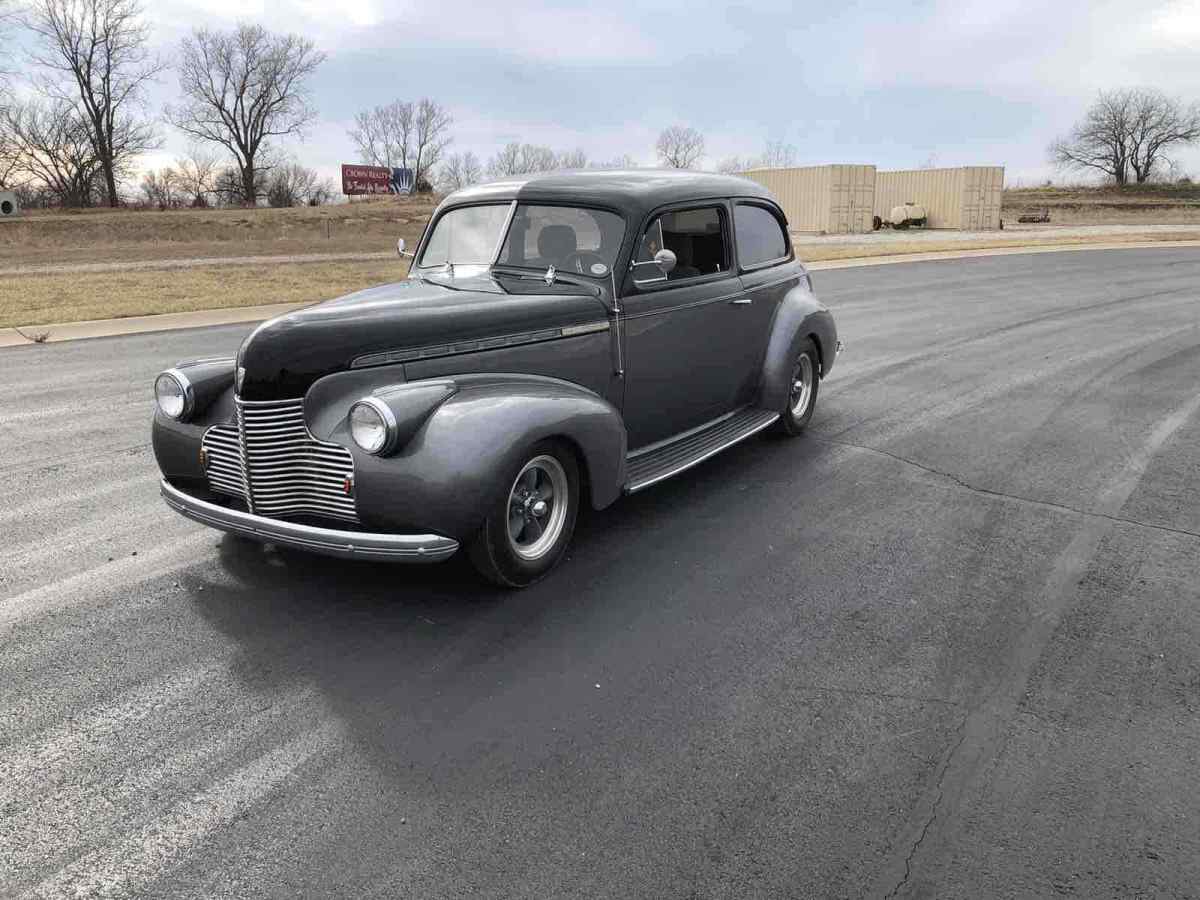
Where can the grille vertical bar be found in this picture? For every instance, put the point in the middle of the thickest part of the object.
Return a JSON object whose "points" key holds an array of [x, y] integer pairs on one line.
{"points": [[270, 460]]}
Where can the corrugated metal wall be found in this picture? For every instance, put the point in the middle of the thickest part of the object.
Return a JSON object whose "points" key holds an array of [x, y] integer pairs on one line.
{"points": [[967, 197], [836, 199]]}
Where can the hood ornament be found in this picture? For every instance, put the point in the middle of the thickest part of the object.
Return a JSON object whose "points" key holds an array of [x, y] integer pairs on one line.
{"points": [[549, 276], [238, 379]]}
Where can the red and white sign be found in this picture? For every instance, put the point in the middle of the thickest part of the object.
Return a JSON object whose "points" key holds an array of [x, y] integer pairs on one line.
{"points": [[366, 179]]}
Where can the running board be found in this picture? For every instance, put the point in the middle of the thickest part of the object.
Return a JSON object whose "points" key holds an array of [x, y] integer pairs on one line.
{"points": [[658, 461]]}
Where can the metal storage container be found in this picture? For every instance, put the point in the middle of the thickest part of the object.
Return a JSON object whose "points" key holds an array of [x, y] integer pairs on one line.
{"points": [[836, 199], [967, 197]]}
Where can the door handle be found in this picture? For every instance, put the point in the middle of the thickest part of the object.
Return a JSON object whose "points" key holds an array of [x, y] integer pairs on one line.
{"points": [[742, 301]]}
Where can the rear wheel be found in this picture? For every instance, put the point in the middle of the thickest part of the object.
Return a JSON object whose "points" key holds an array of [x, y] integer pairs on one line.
{"points": [[802, 391], [527, 533]]}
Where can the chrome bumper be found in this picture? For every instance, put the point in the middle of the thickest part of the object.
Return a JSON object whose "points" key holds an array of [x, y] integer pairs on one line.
{"points": [[415, 548]]}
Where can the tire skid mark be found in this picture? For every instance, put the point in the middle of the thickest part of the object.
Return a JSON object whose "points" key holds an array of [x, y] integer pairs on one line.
{"points": [[102, 579], [136, 861], [81, 496], [909, 421], [47, 540], [59, 826], [47, 756], [986, 724], [941, 350]]}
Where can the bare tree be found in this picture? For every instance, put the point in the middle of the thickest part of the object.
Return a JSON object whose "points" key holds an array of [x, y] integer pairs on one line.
{"points": [[96, 55], [732, 165], [52, 143], [292, 184], [460, 170], [431, 136], [571, 159], [242, 88], [384, 135], [7, 14], [1128, 132], [680, 147], [776, 155], [197, 175], [1159, 123], [624, 161], [162, 188], [522, 159]]}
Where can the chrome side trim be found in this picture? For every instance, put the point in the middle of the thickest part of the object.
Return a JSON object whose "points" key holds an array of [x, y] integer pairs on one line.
{"points": [[432, 351], [708, 454], [572, 330], [416, 548]]}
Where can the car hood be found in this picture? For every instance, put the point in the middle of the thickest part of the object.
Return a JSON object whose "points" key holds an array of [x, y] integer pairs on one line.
{"points": [[285, 355]]}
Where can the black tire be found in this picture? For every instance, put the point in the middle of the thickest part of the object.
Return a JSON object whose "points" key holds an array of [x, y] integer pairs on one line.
{"points": [[516, 559], [800, 403]]}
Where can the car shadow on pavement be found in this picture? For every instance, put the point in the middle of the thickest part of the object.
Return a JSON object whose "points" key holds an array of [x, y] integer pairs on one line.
{"points": [[398, 649]]}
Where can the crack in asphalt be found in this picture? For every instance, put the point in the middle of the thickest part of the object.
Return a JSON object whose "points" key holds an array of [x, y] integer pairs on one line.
{"points": [[933, 811], [1016, 498]]}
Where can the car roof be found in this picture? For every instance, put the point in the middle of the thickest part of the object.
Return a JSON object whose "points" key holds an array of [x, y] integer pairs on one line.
{"points": [[633, 191]]}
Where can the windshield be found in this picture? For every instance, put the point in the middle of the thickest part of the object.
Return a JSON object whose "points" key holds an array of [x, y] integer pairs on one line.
{"points": [[572, 239], [466, 237]]}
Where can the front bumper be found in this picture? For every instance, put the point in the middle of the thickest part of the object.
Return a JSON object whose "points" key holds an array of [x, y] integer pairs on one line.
{"points": [[412, 548]]}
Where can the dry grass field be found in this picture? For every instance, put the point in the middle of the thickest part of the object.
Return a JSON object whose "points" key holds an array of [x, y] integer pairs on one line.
{"points": [[1150, 204], [156, 241]]}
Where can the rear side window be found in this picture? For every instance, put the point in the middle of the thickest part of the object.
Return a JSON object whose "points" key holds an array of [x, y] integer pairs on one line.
{"points": [[760, 236], [696, 238]]}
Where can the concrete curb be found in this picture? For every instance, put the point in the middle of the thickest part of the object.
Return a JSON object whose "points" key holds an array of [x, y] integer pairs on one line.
{"points": [[73, 331]]}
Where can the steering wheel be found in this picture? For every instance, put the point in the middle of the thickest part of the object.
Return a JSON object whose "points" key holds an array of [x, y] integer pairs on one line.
{"points": [[582, 262]]}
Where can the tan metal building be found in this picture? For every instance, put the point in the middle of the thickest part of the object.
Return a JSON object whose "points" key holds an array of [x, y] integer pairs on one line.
{"points": [[838, 199], [967, 197]]}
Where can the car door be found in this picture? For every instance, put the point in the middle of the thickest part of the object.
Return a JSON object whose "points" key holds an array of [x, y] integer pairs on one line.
{"points": [[766, 265], [685, 357]]}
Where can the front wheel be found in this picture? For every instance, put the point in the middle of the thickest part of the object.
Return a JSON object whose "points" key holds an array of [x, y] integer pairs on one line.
{"points": [[802, 391], [527, 533]]}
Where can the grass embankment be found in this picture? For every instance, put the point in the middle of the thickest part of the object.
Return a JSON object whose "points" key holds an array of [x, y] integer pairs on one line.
{"points": [[46, 299], [1146, 204], [41, 237], [100, 236]]}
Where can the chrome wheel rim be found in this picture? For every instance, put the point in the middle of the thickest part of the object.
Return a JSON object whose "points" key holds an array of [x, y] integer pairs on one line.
{"points": [[802, 385], [537, 507]]}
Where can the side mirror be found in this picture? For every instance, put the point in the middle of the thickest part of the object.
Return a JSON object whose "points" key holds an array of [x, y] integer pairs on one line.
{"points": [[665, 260], [400, 251]]}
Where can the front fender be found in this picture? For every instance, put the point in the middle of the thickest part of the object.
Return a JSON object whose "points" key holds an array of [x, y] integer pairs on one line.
{"points": [[455, 468], [800, 315]]}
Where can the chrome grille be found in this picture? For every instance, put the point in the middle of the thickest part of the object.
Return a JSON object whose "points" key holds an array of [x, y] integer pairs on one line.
{"points": [[271, 461]]}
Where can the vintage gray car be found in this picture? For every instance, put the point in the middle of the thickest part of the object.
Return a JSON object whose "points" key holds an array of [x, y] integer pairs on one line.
{"points": [[561, 339]]}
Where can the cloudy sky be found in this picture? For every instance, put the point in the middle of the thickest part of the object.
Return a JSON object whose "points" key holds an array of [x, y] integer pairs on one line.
{"points": [[873, 81]]}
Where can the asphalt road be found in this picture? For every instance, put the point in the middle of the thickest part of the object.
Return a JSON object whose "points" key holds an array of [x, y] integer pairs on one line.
{"points": [[947, 644]]}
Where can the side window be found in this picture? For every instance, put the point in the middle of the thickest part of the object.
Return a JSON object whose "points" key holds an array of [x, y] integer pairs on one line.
{"points": [[696, 238], [760, 236]]}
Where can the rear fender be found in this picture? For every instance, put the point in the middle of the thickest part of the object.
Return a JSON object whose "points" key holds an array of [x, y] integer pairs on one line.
{"points": [[800, 315]]}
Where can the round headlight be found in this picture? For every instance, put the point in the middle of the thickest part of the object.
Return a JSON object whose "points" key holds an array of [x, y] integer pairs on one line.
{"points": [[372, 425], [173, 392]]}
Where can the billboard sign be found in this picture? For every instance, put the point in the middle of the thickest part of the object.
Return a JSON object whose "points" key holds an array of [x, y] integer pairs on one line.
{"points": [[366, 180], [402, 181]]}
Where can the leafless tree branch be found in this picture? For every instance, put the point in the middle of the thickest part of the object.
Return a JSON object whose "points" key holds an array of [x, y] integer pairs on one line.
{"points": [[680, 147], [95, 55], [242, 88]]}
